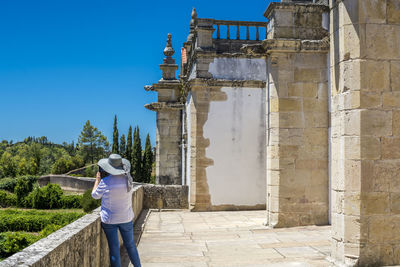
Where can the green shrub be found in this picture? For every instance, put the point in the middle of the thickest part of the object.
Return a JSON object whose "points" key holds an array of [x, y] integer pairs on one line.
{"points": [[7, 199], [91, 171], [71, 202], [8, 184], [88, 203], [47, 197], [21, 190], [33, 220], [49, 229], [11, 243]]}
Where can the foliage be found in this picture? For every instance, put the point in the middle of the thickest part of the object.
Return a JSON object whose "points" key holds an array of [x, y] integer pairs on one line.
{"points": [[66, 164], [93, 145], [47, 197], [33, 220], [71, 202], [88, 203], [48, 229], [8, 184], [129, 145], [91, 171], [122, 146], [22, 189], [137, 171], [147, 161], [115, 146], [7, 199], [33, 156], [11, 242], [8, 165]]}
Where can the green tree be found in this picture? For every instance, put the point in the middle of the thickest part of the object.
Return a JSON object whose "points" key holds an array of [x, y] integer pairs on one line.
{"points": [[122, 146], [115, 147], [137, 169], [147, 160], [8, 166], [35, 153], [93, 145], [129, 145]]}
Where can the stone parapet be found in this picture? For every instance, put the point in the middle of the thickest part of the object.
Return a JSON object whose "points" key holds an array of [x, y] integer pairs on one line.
{"points": [[165, 196], [68, 183], [297, 20]]}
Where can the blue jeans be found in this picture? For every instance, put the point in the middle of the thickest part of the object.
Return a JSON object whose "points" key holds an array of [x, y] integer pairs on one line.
{"points": [[126, 230]]}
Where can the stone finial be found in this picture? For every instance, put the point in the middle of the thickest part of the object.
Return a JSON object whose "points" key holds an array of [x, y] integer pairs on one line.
{"points": [[193, 20], [169, 51], [168, 67]]}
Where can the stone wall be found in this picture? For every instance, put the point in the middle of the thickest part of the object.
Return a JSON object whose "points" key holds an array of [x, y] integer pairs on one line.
{"points": [[365, 71], [165, 196], [68, 183], [81, 243], [297, 153]]}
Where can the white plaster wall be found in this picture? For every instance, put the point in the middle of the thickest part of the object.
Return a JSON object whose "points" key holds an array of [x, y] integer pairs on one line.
{"points": [[237, 133], [238, 69]]}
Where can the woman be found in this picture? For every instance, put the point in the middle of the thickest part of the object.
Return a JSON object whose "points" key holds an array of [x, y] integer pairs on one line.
{"points": [[115, 191]]}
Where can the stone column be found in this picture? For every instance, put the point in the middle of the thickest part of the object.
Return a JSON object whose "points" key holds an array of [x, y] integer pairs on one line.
{"points": [[297, 150], [365, 71], [169, 121]]}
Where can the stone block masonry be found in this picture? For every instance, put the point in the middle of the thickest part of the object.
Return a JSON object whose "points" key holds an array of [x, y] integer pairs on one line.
{"points": [[365, 59], [297, 149]]}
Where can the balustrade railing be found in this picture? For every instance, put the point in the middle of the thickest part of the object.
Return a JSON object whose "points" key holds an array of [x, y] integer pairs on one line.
{"points": [[238, 24]]}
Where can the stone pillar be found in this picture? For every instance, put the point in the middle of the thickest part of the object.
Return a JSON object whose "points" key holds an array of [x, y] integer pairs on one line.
{"points": [[297, 150], [169, 121], [365, 71]]}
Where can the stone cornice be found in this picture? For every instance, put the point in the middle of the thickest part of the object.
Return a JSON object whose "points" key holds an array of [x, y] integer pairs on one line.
{"points": [[225, 83], [157, 106], [165, 85], [287, 46]]}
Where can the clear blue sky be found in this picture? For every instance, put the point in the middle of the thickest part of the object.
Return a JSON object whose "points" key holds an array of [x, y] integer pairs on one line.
{"points": [[68, 61]]}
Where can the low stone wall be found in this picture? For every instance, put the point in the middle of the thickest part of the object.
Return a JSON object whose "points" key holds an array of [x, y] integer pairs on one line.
{"points": [[69, 183], [81, 243], [165, 196]]}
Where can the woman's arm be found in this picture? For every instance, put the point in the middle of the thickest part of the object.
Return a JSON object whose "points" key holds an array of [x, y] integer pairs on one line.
{"points": [[98, 178], [98, 188]]}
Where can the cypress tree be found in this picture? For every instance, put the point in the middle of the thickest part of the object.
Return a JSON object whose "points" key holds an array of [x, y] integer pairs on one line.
{"points": [[137, 157], [122, 146], [129, 145], [147, 160], [115, 146]]}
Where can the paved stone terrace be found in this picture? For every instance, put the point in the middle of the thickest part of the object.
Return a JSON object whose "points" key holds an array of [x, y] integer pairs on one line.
{"points": [[183, 238]]}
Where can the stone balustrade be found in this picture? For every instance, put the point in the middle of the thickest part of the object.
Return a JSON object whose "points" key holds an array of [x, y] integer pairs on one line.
{"points": [[237, 25]]}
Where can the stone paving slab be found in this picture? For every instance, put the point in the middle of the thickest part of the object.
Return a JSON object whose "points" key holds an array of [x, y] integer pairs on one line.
{"points": [[238, 238]]}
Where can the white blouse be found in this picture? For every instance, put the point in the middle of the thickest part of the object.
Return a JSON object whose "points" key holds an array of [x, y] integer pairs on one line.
{"points": [[116, 202]]}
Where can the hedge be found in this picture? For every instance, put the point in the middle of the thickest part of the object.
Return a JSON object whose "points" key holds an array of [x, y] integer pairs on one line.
{"points": [[7, 199], [34, 221], [88, 203], [10, 183], [11, 242]]}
